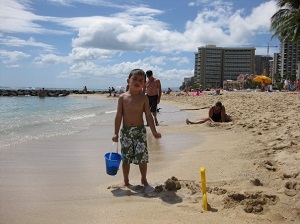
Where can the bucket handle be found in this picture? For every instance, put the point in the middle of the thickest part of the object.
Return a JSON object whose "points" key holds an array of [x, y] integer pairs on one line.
{"points": [[112, 149]]}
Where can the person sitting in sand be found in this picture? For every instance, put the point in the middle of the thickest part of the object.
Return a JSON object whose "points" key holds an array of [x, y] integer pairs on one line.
{"points": [[169, 90], [216, 113]]}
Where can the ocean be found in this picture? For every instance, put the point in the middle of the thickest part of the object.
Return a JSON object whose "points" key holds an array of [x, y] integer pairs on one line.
{"points": [[28, 118], [32, 118]]}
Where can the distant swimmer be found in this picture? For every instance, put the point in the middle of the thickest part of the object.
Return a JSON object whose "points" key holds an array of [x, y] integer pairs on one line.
{"points": [[42, 92]]}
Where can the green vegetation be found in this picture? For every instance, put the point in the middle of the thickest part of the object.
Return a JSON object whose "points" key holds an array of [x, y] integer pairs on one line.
{"points": [[286, 21]]}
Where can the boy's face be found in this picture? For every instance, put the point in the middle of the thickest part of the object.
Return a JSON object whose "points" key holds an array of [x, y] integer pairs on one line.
{"points": [[136, 81]]}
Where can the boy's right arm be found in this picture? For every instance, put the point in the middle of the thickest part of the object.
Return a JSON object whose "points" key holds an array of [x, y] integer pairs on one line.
{"points": [[118, 120]]}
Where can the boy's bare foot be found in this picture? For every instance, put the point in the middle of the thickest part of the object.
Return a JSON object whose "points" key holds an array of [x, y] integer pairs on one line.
{"points": [[125, 184], [144, 182]]}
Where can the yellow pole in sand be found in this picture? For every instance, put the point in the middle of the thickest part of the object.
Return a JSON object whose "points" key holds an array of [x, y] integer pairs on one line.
{"points": [[203, 182]]}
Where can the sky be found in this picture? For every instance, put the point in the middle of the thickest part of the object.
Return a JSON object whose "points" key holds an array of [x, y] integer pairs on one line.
{"points": [[96, 43]]}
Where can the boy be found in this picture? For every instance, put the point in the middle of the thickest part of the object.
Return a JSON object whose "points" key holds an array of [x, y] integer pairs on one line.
{"points": [[131, 107]]}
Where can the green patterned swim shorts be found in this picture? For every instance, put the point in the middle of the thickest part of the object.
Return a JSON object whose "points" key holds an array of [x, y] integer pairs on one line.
{"points": [[134, 145]]}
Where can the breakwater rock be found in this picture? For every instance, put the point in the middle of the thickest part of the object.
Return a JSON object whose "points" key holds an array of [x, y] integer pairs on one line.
{"points": [[43, 93]]}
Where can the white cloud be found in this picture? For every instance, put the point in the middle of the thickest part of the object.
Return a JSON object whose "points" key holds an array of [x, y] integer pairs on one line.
{"points": [[51, 59], [84, 54], [17, 42], [113, 4], [11, 58], [118, 73], [217, 25], [259, 19], [18, 17]]}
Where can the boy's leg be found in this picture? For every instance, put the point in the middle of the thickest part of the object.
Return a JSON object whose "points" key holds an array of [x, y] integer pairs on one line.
{"points": [[143, 170], [126, 169]]}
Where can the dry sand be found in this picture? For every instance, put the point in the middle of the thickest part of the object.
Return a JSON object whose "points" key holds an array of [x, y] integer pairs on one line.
{"points": [[252, 166], [252, 170]]}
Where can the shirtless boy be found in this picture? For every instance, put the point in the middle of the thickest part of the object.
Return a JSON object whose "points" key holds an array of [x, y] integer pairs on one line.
{"points": [[131, 107], [153, 91]]}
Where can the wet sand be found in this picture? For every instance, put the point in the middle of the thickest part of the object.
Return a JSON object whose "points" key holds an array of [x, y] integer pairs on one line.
{"points": [[60, 180]]}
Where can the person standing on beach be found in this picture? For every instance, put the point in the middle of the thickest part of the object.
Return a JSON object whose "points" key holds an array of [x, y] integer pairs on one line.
{"points": [[297, 85], [286, 84], [187, 89], [132, 105], [85, 90], [216, 113], [153, 91]]}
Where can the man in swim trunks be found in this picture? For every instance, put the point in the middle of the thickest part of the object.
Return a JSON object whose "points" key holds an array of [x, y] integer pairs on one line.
{"points": [[131, 107], [153, 91], [216, 113]]}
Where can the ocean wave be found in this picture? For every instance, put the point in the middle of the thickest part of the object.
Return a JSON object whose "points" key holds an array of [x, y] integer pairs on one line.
{"points": [[79, 117], [110, 112]]}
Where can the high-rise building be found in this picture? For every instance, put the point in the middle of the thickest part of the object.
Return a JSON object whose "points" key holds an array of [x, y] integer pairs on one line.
{"points": [[275, 67], [262, 64], [290, 58], [215, 64]]}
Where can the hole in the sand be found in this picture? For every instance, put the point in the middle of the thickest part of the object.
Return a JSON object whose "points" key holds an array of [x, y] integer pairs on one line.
{"points": [[253, 202], [237, 197]]}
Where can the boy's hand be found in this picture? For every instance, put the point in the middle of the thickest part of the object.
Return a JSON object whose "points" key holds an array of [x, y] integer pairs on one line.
{"points": [[115, 138], [157, 135]]}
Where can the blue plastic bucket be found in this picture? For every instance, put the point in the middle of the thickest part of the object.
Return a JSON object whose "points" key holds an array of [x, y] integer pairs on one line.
{"points": [[112, 160]]}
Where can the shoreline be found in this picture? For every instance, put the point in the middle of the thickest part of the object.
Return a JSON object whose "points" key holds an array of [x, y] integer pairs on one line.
{"points": [[251, 163]]}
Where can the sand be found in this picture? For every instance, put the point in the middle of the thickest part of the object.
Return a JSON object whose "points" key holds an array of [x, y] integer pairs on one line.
{"points": [[252, 167]]}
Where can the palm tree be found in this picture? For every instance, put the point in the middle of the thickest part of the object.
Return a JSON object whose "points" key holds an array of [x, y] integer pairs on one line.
{"points": [[286, 21]]}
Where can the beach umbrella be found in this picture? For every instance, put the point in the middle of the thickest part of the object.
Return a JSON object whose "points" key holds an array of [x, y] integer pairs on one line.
{"points": [[262, 78]]}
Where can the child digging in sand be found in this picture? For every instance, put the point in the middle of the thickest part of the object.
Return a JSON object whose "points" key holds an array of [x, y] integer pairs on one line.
{"points": [[131, 107]]}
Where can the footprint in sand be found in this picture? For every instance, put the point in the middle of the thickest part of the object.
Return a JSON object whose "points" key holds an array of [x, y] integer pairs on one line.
{"points": [[270, 166], [291, 188]]}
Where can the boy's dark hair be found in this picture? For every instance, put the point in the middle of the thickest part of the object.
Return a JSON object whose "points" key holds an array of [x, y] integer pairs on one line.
{"points": [[149, 73], [138, 71], [218, 104]]}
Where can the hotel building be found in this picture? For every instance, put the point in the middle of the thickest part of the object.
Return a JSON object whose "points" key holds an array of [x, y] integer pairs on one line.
{"points": [[213, 64]]}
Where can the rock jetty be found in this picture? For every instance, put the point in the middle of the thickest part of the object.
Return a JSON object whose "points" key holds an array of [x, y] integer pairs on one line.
{"points": [[47, 92]]}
